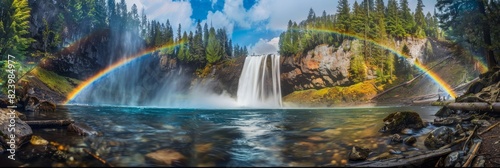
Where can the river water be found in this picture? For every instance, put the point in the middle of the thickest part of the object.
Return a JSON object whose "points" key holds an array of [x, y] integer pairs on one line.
{"points": [[227, 137]]}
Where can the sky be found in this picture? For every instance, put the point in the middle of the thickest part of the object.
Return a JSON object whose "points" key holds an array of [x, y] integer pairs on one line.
{"points": [[256, 24]]}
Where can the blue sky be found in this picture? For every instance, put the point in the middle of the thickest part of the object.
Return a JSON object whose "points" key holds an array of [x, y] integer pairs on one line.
{"points": [[253, 23]]}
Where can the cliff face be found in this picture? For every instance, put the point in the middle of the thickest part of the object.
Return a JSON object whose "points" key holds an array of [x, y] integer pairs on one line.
{"points": [[322, 67]]}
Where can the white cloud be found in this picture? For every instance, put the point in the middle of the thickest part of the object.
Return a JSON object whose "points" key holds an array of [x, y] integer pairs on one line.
{"points": [[235, 11], [264, 46], [218, 20], [177, 12]]}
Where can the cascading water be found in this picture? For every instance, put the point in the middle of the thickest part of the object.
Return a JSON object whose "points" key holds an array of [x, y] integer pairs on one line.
{"points": [[254, 88]]}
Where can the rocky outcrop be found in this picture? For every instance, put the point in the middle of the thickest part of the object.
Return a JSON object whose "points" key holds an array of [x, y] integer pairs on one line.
{"points": [[13, 131], [325, 66]]}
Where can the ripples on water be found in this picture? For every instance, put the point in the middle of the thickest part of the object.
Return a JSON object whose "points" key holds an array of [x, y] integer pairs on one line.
{"points": [[232, 138]]}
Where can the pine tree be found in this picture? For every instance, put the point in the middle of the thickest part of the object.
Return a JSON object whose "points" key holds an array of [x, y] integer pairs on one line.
{"points": [[343, 15], [214, 48], [357, 19], [17, 37], [420, 23], [407, 20], [380, 19], [393, 21]]}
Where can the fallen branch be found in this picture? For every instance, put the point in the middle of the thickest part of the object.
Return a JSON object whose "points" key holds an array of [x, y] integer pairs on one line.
{"points": [[470, 137], [409, 161], [48, 123], [472, 155], [488, 129], [475, 106], [98, 158]]}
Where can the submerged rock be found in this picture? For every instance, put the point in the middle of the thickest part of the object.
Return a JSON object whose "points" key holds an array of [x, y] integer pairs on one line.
{"points": [[358, 153], [11, 125], [36, 140], [167, 157], [398, 121], [410, 140], [439, 137]]}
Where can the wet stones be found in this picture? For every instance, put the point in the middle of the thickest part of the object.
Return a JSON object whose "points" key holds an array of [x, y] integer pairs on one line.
{"points": [[167, 157], [410, 140], [82, 129], [439, 137], [358, 153], [396, 138], [36, 140], [398, 121]]}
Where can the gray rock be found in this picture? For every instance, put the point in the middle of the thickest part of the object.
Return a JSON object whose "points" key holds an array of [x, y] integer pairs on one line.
{"points": [[11, 125], [439, 137], [410, 140], [453, 158], [444, 112], [358, 153], [398, 121]]}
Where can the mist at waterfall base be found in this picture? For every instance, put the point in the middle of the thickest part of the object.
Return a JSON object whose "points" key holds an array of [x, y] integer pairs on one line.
{"points": [[143, 82]]}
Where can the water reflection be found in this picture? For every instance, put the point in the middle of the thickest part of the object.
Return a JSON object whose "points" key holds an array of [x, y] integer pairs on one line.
{"points": [[234, 138]]}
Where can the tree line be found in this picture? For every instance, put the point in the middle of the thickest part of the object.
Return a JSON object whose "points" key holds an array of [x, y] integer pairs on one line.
{"points": [[71, 20]]}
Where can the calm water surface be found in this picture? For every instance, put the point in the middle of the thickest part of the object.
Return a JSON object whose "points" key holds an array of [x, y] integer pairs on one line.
{"points": [[229, 138]]}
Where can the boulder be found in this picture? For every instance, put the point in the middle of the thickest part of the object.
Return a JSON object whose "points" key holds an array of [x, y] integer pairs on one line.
{"points": [[11, 125], [168, 157], [398, 121], [358, 153], [410, 140], [439, 137]]}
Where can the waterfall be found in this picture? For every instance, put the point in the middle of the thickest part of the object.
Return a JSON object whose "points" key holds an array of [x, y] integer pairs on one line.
{"points": [[259, 84]]}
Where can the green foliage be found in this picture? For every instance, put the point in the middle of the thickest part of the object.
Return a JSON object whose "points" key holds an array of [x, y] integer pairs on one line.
{"points": [[214, 48], [474, 22], [343, 15], [357, 69], [15, 38]]}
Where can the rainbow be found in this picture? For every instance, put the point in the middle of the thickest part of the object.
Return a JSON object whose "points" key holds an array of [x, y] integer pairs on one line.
{"points": [[438, 80], [113, 67]]}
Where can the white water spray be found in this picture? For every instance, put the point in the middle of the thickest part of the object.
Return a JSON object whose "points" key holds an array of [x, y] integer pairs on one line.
{"points": [[254, 88]]}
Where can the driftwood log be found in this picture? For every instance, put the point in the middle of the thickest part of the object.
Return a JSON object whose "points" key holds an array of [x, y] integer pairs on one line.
{"points": [[415, 160], [48, 123], [475, 106]]}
